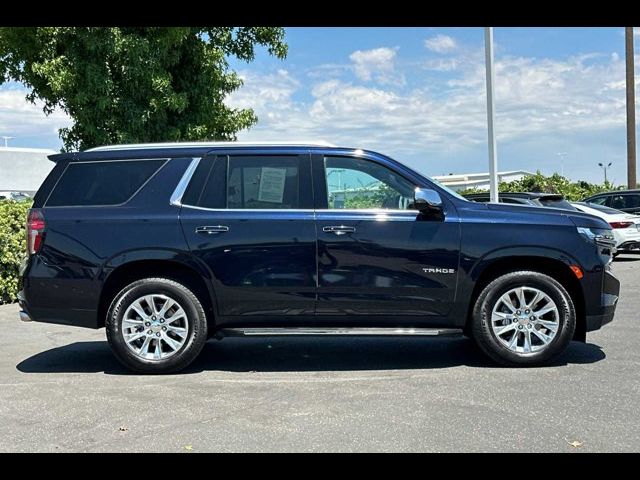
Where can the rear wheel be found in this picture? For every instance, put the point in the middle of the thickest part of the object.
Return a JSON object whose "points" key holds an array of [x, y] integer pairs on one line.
{"points": [[523, 319], [156, 325]]}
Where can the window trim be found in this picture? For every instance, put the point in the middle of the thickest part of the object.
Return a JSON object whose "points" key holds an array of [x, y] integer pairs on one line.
{"points": [[164, 159]]}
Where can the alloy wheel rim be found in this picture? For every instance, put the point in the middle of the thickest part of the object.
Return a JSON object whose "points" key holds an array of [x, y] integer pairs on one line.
{"points": [[155, 327], [525, 320]]}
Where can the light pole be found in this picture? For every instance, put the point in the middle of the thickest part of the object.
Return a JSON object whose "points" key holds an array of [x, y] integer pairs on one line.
{"points": [[493, 155], [562, 156], [632, 179], [604, 167], [6, 140]]}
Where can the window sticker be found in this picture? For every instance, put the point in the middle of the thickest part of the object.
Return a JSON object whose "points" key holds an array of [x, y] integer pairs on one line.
{"points": [[271, 187]]}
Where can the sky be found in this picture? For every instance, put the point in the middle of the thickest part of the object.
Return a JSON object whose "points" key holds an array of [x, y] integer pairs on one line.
{"points": [[418, 95]]}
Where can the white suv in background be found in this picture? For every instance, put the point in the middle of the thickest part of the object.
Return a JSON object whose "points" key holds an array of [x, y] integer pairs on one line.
{"points": [[626, 227]]}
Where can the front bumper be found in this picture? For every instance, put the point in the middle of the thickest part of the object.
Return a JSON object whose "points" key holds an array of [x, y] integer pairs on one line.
{"points": [[608, 302]]}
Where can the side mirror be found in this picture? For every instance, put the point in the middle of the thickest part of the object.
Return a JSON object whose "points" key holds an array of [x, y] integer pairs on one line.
{"points": [[425, 199]]}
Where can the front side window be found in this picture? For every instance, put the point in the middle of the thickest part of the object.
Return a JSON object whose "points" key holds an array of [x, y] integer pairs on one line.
{"points": [[101, 182], [356, 184]]}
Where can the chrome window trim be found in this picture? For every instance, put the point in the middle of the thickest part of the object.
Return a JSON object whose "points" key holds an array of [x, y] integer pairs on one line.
{"points": [[178, 192], [165, 161], [374, 211]]}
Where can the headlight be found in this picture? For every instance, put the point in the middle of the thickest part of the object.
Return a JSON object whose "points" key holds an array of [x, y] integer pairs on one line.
{"points": [[601, 236]]}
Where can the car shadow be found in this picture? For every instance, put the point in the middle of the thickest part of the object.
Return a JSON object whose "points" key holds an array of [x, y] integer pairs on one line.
{"points": [[300, 355]]}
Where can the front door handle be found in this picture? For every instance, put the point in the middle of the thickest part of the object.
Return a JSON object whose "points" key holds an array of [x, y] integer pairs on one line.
{"points": [[213, 229], [338, 229]]}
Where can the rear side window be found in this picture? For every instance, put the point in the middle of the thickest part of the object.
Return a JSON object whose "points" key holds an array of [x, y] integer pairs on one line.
{"points": [[263, 183], [102, 182], [249, 182]]}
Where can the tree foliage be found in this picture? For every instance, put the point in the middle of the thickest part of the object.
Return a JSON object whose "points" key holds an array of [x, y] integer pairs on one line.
{"points": [[573, 191], [130, 84], [13, 244]]}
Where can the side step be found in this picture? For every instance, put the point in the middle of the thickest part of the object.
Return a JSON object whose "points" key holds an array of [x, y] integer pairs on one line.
{"points": [[332, 331]]}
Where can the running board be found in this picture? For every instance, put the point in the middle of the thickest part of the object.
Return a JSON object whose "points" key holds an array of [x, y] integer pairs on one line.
{"points": [[333, 331]]}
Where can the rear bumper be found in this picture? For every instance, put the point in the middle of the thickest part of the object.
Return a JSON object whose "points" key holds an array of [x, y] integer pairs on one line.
{"points": [[63, 316], [608, 302]]}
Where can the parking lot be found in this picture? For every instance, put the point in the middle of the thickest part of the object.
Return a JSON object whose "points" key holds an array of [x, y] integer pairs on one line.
{"points": [[61, 390]]}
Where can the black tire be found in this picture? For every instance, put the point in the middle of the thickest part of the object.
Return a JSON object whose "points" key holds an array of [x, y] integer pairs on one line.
{"points": [[485, 337], [196, 331]]}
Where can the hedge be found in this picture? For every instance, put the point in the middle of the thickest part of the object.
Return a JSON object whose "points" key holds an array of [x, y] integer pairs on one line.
{"points": [[13, 217], [572, 191]]}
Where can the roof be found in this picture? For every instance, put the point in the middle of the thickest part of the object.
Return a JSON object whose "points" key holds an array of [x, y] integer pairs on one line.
{"points": [[150, 146]]}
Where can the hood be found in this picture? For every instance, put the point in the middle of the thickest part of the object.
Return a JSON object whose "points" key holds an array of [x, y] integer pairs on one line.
{"points": [[555, 215]]}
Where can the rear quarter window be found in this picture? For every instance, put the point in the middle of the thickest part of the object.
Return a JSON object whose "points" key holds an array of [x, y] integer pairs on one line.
{"points": [[102, 182]]}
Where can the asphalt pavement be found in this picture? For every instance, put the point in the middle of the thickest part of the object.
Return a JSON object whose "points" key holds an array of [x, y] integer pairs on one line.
{"points": [[62, 390]]}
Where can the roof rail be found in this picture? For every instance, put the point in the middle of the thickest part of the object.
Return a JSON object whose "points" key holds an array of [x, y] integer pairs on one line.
{"points": [[141, 146]]}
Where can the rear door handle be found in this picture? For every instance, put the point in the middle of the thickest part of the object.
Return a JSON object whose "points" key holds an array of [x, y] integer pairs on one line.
{"points": [[212, 229], [338, 229]]}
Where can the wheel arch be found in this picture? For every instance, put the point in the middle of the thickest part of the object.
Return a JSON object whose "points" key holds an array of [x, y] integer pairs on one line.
{"points": [[188, 273], [556, 266]]}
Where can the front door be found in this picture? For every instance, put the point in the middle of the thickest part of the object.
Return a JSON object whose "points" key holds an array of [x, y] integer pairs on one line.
{"points": [[249, 218], [380, 261]]}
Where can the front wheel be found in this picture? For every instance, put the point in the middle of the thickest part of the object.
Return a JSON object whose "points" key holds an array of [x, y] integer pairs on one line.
{"points": [[523, 319], [156, 325]]}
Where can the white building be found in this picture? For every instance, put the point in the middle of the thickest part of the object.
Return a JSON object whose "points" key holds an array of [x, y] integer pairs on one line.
{"points": [[478, 180], [23, 169]]}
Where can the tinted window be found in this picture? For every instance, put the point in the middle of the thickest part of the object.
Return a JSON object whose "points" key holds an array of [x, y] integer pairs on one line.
{"points": [[598, 200], [625, 201], [207, 186], [513, 200], [102, 182], [556, 203], [354, 183], [269, 182]]}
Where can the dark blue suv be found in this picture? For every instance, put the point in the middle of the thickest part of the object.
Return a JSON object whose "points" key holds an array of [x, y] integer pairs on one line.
{"points": [[167, 245]]}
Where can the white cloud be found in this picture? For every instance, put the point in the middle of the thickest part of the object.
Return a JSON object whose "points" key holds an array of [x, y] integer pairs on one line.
{"points": [[377, 64], [534, 97], [441, 44], [20, 118]]}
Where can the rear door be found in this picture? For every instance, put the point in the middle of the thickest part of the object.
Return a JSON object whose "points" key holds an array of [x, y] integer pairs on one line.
{"points": [[249, 218]]}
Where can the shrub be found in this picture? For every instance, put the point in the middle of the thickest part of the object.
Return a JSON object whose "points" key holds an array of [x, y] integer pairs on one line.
{"points": [[13, 217], [573, 191]]}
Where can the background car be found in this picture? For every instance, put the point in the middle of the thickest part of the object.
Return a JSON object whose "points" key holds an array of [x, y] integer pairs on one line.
{"points": [[17, 196], [623, 200], [535, 199], [626, 227]]}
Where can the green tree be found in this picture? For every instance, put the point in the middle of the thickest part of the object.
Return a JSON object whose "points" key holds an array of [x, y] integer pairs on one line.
{"points": [[123, 85]]}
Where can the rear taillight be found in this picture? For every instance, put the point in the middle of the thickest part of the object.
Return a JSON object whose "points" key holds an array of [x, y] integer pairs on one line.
{"points": [[620, 224], [35, 230]]}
